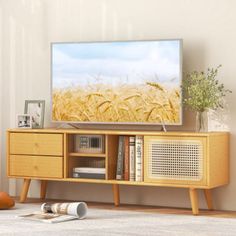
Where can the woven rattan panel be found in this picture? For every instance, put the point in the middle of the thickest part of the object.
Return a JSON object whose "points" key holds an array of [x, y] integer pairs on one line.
{"points": [[175, 159]]}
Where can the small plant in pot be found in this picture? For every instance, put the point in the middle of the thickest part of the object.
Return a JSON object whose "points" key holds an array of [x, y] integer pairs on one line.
{"points": [[202, 92]]}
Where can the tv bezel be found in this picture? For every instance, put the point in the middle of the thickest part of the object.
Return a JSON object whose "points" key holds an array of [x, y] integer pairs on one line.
{"points": [[118, 123]]}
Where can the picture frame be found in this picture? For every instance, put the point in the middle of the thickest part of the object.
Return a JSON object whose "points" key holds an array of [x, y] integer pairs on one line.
{"points": [[24, 121], [36, 108]]}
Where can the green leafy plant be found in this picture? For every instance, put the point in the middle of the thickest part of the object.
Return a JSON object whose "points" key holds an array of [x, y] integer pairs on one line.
{"points": [[202, 91]]}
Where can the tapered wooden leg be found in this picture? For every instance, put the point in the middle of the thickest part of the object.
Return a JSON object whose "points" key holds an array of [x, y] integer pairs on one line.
{"points": [[208, 196], [43, 189], [194, 200], [116, 194], [24, 190]]}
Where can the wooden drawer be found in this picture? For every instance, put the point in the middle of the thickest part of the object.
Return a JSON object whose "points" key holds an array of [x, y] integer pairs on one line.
{"points": [[36, 166], [36, 144]]}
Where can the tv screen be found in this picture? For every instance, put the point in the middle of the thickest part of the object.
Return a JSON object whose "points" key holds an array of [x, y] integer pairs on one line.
{"points": [[130, 82]]}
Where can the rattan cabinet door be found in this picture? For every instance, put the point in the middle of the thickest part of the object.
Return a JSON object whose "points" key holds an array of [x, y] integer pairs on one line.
{"points": [[175, 160]]}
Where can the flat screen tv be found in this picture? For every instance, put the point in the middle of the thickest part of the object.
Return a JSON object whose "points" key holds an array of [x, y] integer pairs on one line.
{"points": [[127, 82]]}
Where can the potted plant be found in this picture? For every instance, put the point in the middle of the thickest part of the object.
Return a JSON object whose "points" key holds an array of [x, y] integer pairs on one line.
{"points": [[201, 92]]}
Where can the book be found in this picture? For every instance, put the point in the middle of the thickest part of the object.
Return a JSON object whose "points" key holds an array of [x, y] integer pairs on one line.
{"points": [[88, 175], [89, 170], [126, 158], [132, 158], [58, 212], [120, 159], [139, 158]]}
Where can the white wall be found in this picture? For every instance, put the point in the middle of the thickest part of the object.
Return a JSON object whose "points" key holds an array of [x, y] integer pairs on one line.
{"points": [[208, 30]]}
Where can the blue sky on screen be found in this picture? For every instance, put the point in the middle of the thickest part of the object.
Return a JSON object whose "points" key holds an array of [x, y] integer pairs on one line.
{"points": [[115, 63]]}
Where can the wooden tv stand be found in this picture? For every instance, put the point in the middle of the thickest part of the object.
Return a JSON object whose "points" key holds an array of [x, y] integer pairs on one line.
{"points": [[188, 160]]}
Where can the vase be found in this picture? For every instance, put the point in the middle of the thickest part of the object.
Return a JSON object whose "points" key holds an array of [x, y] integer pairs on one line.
{"points": [[202, 121]]}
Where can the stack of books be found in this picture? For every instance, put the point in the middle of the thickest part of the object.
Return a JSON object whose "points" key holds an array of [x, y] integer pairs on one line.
{"points": [[89, 173], [130, 158]]}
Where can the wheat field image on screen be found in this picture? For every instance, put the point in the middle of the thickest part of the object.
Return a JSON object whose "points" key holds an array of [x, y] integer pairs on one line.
{"points": [[117, 82]]}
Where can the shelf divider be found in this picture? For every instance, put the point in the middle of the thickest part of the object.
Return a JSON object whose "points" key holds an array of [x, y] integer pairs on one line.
{"points": [[76, 154]]}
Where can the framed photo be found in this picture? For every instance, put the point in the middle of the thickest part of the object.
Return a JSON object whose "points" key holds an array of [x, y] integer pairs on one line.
{"points": [[24, 121], [36, 109]]}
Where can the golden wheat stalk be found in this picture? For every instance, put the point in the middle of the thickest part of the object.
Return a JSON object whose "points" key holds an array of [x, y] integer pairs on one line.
{"points": [[132, 96], [177, 94], [156, 85], [150, 113], [94, 94], [101, 104], [171, 104]]}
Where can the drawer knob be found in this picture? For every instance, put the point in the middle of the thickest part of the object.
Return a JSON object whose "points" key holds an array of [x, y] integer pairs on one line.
{"points": [[36, 145]]}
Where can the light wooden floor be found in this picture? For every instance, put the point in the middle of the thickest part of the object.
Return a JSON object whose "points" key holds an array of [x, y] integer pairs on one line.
{"points": [[141, 208]]}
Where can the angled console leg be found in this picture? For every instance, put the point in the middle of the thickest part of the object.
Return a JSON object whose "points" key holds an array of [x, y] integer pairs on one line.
{"points": [[208, 196], [194, 200], [43, 189], [116, 194], [24, 190]]}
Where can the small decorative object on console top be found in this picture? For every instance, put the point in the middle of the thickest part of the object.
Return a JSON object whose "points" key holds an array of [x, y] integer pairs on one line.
{"points": [[35, 108], [202, 91], [24, 121]]}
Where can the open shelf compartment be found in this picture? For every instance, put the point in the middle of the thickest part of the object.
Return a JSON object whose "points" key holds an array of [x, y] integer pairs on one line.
{"points": [[87, 145], [86, 152], [83, 168]]}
